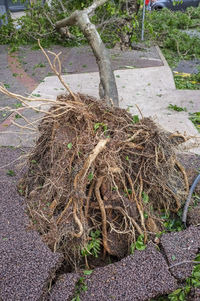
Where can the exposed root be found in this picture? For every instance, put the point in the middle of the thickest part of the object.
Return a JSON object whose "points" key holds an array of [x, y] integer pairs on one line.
{"points": [[56, 70], [91, 170], [181, 168], [103, 214]]}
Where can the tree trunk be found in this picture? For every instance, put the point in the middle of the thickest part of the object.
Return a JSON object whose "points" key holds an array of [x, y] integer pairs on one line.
{"points": [[107, 86]]}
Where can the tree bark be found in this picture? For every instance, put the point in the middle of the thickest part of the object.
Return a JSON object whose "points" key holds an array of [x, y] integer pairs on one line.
{"points": [[107, 86]]}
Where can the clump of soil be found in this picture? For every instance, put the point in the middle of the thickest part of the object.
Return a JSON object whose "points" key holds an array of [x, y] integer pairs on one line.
{"points": [[98, 168]]}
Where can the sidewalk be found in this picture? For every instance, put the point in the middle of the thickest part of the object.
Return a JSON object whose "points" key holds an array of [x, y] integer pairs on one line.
{"points": [[27, 266], [143, 78]]}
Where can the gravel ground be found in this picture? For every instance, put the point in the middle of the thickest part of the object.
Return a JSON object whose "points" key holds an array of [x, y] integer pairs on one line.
{"points": [[64, 288], [137, 278], [179, 247], [197, 294], [25, 262]]}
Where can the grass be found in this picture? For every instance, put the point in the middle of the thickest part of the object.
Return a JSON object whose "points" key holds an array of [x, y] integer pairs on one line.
{"points": [[195, 118]]}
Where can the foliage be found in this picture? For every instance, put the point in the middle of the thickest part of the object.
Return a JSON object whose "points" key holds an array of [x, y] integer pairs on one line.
{"points": [[167, 29], [39, 20], [187, 80], [138, 245], [176, 108], [195, 118], [94, 245], [193, 281], [172, 222]]}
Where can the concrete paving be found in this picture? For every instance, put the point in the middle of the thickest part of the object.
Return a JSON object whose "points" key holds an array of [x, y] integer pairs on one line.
{"points": [[152, 89]]}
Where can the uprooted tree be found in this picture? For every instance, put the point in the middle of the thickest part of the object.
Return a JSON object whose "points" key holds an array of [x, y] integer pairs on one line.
{"points": [[98, 174], [107, 87]]}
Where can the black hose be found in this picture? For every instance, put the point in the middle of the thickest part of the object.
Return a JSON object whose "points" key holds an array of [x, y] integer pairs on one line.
{"points": [[187, 203]]}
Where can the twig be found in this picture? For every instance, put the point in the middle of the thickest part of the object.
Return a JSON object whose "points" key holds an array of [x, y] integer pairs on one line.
{"points": [[63, 212], [183, 262], [139, 111], [58, 73], [77, 220]]}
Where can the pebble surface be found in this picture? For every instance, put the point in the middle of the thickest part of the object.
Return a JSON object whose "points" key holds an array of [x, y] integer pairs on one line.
{"points": [[26, 263], [179, 247]]}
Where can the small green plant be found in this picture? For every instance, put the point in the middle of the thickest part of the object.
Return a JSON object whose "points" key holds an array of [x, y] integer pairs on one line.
{"points": [[11, 173], [94, 245], [145, 198], [36, 95], [7, 86], [17, 116], [18, 105], [138, 245], [80, 287], [100, 124], [172, 223], [195, 118], [176, 108], [193, 281], [135, 119], [40, 65], [69, 145], [90, 176]]}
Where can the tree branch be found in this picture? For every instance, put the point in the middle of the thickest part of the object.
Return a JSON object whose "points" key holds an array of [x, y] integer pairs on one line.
{"points": [[107, 87]]}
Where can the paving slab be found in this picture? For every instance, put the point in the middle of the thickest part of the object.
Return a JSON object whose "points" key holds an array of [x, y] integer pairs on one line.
{"points": [[81, 59], [153, 98], [9, 78], [64, 289], [137, 277], [179, 247], [26, 263]]}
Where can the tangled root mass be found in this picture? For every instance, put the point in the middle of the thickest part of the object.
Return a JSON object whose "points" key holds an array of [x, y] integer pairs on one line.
{"points": [[96, 168]]}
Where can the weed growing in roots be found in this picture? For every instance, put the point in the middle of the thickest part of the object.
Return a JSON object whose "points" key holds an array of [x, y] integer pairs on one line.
{"points": [[117, 177]]}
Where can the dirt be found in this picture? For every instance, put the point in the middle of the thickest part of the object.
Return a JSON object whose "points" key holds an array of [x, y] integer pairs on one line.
{"points": [[191, 163], [25, 260], [96, 168]]}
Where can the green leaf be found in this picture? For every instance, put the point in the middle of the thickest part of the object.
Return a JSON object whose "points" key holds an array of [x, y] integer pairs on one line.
{"points": [[17, 116], [7, 86], [11, 173], [177, 292], [135, 119], [140, 246], [90, 176], [173, 257], [87, 272], [97, 125], [145, 198], [69, 145]]}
